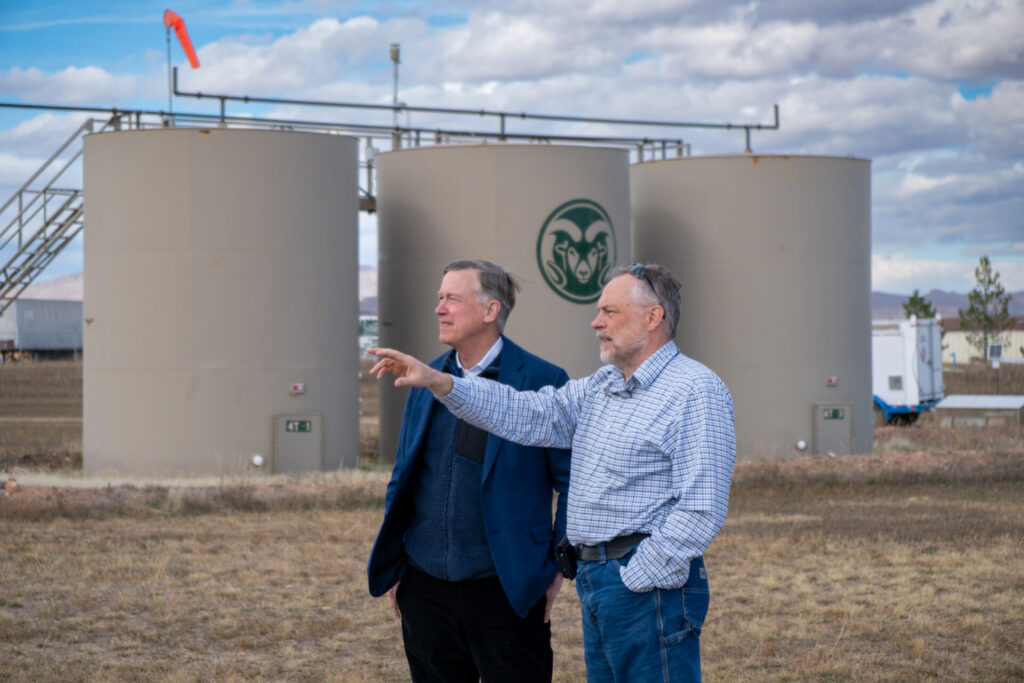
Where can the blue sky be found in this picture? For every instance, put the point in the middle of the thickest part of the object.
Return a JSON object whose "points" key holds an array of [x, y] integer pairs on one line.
{"points": [[932, 91]]}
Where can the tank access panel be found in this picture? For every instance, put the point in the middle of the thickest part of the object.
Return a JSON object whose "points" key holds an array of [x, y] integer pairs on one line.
{"points": [[298, 443], [833, 428]]}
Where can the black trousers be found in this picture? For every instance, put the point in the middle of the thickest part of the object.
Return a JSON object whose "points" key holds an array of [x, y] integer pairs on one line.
{"points": [[467, 631]]}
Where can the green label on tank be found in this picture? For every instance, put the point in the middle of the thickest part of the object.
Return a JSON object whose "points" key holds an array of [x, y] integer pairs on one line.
{"points": [[576, 249], [834, 413], [298, 425]]}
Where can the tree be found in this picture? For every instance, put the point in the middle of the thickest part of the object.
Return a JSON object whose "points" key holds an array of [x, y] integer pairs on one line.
{"points": [[988, 312], [923, 309], [919, 306]]}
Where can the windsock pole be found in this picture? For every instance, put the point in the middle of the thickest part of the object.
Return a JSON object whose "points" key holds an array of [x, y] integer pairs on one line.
{"points": [[170, 103]]}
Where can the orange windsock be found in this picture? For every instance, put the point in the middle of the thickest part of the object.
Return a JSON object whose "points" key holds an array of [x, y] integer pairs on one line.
{"points": [[172, 20]]}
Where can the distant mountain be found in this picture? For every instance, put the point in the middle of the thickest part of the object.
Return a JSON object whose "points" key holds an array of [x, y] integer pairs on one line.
{"points": [[368, 305], [947, 304], [367, 289]]}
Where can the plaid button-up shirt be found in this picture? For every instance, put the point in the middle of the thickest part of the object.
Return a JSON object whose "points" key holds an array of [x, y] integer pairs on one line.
{"points": [[653, 454]]}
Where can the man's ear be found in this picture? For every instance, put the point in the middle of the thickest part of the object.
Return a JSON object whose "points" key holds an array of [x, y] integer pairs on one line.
{"points": [[654, 317], [492, 311]]}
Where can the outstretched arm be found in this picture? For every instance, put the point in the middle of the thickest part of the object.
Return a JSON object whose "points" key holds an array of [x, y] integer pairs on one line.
{"points": [[531, 418], [409, 371]]}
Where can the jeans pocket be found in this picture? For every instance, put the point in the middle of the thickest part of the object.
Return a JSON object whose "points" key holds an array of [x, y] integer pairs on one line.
{"points": [[683, 609], [696, 595], [673, 625]]}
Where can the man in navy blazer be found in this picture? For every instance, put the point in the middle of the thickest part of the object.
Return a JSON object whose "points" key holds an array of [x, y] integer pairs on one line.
{"points": [[466, 549]]}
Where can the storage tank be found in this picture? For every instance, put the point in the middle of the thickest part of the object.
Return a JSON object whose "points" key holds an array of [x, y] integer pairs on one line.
{"points": [[220, 305], [555, 216], [773, 253]]}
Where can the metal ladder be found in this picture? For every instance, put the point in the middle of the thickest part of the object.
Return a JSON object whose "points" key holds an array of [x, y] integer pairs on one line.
{"points": [[44, 218]]}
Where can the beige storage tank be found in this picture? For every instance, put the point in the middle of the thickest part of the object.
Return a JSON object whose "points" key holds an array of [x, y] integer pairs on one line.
{"points": [[220, 301], [774, 256], [556, 216]]}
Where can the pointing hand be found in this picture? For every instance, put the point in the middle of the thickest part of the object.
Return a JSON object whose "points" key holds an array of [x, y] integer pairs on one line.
{"points": [[409, 371]]}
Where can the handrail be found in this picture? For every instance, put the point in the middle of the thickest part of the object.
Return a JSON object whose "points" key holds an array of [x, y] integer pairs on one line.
{"points": [[86, 125], [26, 215], [40, 258], [63, 207], [397, 108], [29, 209], [358, 129]]}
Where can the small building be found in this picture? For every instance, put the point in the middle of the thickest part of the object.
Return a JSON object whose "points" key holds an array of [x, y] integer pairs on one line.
{"points": [[971, 410], [956, 348], [41, 328]]}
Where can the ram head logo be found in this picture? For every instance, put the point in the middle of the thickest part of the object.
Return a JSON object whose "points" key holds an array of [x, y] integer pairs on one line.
{"points": [[576, 249]]}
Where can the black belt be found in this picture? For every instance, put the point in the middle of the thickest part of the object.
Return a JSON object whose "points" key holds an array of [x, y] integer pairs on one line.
{"points": [[613, 549]]}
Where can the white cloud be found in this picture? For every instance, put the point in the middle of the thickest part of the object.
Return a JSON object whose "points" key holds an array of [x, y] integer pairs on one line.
{"points": [[958, 186], [14, 171], [961, 39], [996, 122], [85, 85], [327, 51], [901, 273], [40, 135]]}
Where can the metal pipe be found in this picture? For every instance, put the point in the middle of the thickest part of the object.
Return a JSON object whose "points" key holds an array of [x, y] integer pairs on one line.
{"points": [[378, 130], [479, 112]]}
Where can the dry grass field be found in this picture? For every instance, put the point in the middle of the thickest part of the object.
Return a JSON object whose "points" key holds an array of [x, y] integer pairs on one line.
{"points": [[907, 564], [41, 415]]}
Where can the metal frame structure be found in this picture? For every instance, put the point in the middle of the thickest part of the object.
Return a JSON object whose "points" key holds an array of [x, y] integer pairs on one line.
{"points": [[397, 108]]}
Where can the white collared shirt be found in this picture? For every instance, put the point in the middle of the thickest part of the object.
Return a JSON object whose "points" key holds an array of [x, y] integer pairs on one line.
{"points": [[488, 358]]}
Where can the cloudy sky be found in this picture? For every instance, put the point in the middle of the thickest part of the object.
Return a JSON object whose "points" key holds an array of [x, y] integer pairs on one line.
{"points": [[931, 91]]}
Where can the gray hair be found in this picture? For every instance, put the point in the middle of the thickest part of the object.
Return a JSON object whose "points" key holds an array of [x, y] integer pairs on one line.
{"points": [[656, 282], [495, 283]]}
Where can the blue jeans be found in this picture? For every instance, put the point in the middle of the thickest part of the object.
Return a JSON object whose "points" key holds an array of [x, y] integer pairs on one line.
{"points": [[652, 636]]}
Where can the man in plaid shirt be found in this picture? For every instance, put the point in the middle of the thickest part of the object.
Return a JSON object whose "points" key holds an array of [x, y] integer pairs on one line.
{"points": [[653, 449]]}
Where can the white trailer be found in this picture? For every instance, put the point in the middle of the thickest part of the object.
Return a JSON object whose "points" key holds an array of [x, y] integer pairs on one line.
{"points": [[41, 325], [906, 362]]}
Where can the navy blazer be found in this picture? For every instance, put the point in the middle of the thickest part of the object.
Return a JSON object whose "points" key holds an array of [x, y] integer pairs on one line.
{"points": [[516, 490]]}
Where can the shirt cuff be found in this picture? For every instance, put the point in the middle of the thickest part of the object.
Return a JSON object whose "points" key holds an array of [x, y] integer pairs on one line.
{"points": [[456, 398], [633, 575], [637, 579]]}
